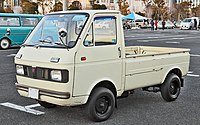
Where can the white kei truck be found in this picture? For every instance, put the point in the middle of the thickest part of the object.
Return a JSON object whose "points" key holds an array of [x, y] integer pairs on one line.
{"points": [[69, 59]]}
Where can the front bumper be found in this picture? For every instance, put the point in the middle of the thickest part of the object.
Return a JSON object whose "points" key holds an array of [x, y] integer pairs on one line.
{"points": [[59, 98]]}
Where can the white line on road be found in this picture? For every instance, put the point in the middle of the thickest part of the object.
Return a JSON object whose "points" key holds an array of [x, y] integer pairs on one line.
{"points": [[173, 42], [23, 108], [178, 38], [32, 106], [190, 72], [153, 37], [192, 75], [193, 55], [11, 55]]}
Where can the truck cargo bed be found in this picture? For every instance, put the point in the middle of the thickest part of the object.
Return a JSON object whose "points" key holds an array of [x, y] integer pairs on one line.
{"points": [[135, 51]]}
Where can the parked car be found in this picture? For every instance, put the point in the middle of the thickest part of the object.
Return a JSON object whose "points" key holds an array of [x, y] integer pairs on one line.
{"points": [[168, 25], [188, 23]]}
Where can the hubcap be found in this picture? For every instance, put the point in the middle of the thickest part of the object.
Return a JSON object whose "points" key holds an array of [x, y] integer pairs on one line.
{"points": [[4, 43], [174, 88], [102, 105]]}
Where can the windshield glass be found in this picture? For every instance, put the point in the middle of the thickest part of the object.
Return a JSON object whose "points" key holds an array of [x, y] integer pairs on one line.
{"points": [[187, 20], [46, 32]]}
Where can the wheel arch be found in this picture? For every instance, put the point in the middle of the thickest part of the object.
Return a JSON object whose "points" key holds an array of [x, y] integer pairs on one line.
{"points": [[107, 84], [175, 70]]}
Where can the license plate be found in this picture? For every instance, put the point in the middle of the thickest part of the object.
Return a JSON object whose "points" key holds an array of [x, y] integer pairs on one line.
{"points": [[33, 93]]}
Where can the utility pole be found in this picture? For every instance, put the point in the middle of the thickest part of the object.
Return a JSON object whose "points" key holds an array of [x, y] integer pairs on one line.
{"points": [[64, 5]]}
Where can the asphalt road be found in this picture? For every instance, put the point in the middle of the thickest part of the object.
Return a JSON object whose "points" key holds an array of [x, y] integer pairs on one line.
{"points": [[141, 108]]}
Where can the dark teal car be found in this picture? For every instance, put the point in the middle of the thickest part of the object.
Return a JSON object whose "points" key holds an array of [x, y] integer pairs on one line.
{"points": [[14, 28]]}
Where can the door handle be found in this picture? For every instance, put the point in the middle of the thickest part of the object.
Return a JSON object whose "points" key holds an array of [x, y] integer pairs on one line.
{"points": [[119, 50]]}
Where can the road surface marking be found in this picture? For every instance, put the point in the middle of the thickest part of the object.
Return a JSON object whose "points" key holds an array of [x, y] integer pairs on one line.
{"points": [[193, 55], [32, 106], [173, 42], [190, 72], [143, 41], [192, 75], [153, 37], [178, 38], [23, 108], [11, 55]]}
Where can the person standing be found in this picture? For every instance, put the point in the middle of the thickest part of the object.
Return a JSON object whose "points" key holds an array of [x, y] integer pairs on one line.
{"points": [[163, 25], [156, 25], [152, 25], [195, 24]]}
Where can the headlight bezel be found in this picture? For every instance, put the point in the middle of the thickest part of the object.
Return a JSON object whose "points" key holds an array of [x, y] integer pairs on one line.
{"points": [[19, 69], [56, 75]]}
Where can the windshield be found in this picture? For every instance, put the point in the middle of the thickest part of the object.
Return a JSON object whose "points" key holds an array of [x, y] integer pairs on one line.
{"points": [[187, 20], [46, 32]]}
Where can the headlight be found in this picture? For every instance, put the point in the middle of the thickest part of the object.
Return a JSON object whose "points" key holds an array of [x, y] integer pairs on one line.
{"points": [[56, 75], [20, 69]]}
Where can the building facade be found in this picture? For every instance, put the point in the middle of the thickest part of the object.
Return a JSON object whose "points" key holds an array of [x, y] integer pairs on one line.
{"points": [[195, 3]]}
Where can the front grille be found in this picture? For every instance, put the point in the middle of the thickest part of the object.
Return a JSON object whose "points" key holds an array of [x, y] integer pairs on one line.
{"points": [[43, 73]]}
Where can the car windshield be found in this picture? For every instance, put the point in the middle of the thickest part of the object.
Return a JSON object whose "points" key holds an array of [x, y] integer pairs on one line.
{"points": [[187, 20], [46, 32]]}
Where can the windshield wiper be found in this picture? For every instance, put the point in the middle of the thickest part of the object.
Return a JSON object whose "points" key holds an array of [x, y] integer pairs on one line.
{"points": [[50, 42], [45, 41]]}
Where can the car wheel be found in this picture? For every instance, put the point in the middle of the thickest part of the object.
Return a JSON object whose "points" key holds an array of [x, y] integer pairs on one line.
{"points": [[101, 104], [4, 43], [171, 87], [46, 104]]}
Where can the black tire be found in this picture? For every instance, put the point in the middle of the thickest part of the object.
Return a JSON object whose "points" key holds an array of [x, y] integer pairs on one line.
{"points": [[101, 104], [46, 104], [170, 89], [4, 43]]}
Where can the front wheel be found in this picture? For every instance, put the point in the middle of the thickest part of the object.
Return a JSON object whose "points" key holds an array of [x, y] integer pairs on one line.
{"points": [[101, 104], [170, 89], [4, 44]]}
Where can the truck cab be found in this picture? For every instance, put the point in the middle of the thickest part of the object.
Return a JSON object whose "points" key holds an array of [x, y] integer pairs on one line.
{"points": [[70, 60]]}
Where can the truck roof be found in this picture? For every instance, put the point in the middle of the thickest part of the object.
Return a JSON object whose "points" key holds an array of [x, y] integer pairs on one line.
{"points": [[91, 12]]}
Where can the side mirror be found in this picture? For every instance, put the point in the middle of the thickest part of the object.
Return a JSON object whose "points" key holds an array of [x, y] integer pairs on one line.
{"points": [[62, 32]]}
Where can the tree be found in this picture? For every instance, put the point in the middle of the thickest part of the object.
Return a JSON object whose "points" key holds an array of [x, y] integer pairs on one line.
{"points": [[2, 10], [58, 6], [76, 5], [182, 10], [46, 5], [196, 11], [123, 7], [29, 7], [99, 7], [8, 10], [157, 9]]}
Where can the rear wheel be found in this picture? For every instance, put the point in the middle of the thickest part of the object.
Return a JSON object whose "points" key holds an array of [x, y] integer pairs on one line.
{"points": [[4, 43], [101, 104], [46, 104], [170, 89]]}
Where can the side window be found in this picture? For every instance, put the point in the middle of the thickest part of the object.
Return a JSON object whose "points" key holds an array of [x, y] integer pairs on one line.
{"points": [[105, 31], [9, 21], [29, 21], [89, 38], [102, 32]]}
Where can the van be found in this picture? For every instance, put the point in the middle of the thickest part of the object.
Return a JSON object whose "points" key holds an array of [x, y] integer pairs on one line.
{"points": [[188, 23], [14, 28]]}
